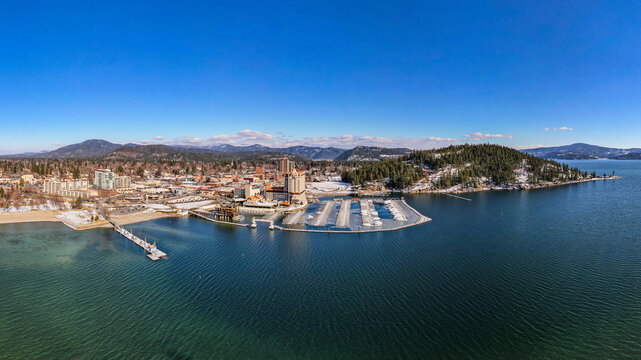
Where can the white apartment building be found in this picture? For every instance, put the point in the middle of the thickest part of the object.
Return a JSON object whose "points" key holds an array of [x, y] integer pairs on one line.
{"points": [[67, 188]]}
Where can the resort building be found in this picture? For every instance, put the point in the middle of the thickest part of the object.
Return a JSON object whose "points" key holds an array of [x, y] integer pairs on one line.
{"points": [[292, 192]]}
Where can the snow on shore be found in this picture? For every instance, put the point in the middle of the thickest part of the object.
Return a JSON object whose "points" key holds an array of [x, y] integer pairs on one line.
{"points": [[44, 207], [329, 187]]}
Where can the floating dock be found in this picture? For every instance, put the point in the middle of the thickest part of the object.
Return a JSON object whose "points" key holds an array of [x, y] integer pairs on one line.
{"points": [[320, 219], [294, 218], [152, 251], [396, 210], [342, 220], [369, 215]]}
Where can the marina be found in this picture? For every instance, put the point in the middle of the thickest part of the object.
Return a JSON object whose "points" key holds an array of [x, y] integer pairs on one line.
{"points": [[380, 213]]}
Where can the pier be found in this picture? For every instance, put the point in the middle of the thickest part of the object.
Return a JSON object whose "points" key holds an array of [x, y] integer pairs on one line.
{"points": [[369, 215], [213, 218], [342, 221], [457, 197], [297, 217], [321, 216], [152, 251]]}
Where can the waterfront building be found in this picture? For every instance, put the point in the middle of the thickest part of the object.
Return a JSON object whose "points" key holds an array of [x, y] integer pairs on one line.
{"points": [[295, 182], [292, 192]]}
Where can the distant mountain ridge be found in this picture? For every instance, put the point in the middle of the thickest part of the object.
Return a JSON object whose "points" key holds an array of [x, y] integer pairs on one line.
{"points": [[95, 148], [311, 152], [582, 151], [367, 153], [87, 149]]}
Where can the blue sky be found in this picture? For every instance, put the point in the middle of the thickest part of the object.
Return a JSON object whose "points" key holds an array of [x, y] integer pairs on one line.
{"points": [[394, 73]]}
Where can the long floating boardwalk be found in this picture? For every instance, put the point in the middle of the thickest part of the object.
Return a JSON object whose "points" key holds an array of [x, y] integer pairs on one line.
{"points": [[457, 197], [152, 251], [342, 221]]}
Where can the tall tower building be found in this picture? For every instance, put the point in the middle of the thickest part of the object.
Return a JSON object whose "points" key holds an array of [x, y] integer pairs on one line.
{"points": [[284, 165], [104, 179]]}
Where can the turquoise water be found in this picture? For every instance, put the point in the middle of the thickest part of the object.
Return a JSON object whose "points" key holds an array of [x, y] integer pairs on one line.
{"points": [[553, 273]]}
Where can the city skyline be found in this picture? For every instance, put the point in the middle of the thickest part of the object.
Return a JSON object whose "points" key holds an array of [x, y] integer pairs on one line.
{"points": [[398, 75]]}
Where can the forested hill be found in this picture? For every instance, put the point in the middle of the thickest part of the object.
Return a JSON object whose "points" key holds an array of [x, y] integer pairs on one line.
{"points": [[465, 166]]}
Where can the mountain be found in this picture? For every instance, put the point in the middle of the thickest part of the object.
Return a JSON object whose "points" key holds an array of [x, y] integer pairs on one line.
{"points": [[145, 152], [95, 148], [315, 153], [86, 149], [311, 152], [581, 151], [164, 152], [367, 153], [24, 154]]}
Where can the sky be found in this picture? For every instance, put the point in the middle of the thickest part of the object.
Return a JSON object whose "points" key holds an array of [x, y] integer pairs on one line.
{"points": [[416, 74]]}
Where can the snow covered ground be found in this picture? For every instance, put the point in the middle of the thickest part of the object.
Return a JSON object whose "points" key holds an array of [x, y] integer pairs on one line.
{"points": [[48, 206], [191, 205], [159, 207], [329, 187], [76, 217]]}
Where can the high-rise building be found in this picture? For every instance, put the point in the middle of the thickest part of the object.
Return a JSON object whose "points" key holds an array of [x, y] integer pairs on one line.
{"points": [[285, 165], [104, 179], [295, 187]]}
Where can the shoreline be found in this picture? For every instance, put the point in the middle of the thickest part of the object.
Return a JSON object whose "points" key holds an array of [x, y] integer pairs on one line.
{"points": [[362, 193], [51, 216], [511, 188]]}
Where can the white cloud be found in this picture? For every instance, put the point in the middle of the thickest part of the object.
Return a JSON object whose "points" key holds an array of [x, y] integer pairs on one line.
{"points": [[159, 138], [523, 147], [547, 128], [250, 137], [564, 128], [481, 136]]}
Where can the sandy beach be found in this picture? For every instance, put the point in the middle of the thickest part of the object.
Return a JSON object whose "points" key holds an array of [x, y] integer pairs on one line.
{"points": [[31, 216], [50, 215]]}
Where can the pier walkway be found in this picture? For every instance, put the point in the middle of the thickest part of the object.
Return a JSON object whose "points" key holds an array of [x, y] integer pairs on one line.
{"points": [[369, 215], [321, 216], [342, 221], [297, 217], [152, 251]]}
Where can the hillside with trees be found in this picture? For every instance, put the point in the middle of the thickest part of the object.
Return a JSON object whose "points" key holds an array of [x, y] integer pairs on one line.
{"points": [[466, 167]]}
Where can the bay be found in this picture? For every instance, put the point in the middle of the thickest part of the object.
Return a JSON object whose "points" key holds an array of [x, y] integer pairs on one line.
{"points": [[548, 273]]}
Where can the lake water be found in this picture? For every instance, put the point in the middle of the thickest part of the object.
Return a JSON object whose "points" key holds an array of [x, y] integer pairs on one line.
{"points": [[551, 273]]}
